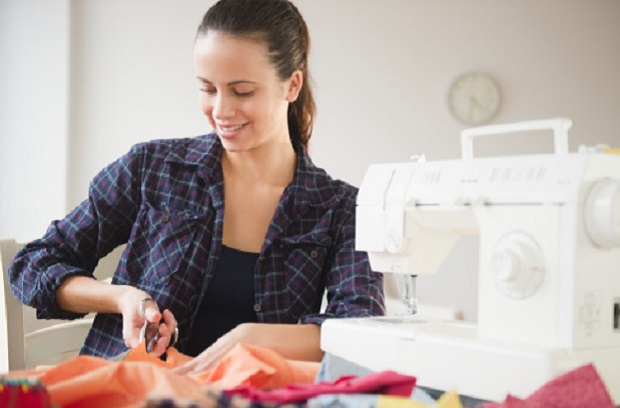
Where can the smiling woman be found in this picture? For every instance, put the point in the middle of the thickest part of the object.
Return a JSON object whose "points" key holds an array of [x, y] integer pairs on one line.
{"points": [[243, 97], [236, 235]]}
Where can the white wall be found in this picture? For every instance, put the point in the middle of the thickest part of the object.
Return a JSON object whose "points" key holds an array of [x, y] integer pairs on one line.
{"points": [[133, 80], [34, 72], [381, 71]]}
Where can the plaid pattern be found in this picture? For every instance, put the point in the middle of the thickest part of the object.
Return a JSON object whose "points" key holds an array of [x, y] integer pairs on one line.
{"points": [[164, 199]]}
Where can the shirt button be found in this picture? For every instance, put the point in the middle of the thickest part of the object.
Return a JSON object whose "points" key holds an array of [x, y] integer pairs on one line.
{"points": [[314, 254], [257, 307], [165, 218]]}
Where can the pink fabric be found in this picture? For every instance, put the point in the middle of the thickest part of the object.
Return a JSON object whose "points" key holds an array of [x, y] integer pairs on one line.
{"points": [[385, 383], [579, 388]]}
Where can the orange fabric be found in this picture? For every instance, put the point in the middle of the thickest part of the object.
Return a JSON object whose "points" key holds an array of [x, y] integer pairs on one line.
{"points": [[258, 367], [96, 382]]}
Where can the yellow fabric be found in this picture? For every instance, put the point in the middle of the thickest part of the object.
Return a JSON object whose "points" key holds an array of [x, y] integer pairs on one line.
{"points": [[388, 401], [447, 400]]}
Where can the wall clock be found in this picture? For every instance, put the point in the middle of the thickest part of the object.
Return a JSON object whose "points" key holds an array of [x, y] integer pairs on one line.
{"points": [[474, 98]]}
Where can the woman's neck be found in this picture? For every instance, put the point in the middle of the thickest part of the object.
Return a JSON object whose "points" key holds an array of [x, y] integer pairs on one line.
{"points": [[272, 165]]}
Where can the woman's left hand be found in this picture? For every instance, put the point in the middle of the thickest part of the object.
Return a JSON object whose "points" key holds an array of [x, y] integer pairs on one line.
{"points": [[214, 354], [291, 341]]}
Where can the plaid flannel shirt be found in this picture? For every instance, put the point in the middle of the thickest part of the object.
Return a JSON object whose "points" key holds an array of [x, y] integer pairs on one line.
{"points": [[165, 200]]}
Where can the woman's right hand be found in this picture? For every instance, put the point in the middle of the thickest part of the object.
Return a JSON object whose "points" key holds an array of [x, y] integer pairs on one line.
{"points": [[132, 305], [81, 294], [133, 321]]}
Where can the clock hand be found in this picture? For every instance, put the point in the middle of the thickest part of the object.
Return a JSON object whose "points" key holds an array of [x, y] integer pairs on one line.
{"points": [[473, 103]]}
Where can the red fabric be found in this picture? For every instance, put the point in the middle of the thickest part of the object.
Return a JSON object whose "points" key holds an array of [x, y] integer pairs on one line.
{"points": [[23, 394], [385, 383], [579, 388]]}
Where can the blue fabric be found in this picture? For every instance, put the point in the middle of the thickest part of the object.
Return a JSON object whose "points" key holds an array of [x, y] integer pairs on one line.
{"points": [[165, 200], [333, 367], [344, 401]]}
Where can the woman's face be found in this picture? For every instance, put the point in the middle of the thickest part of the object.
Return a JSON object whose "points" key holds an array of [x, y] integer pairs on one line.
{"points": [[240, 92]]}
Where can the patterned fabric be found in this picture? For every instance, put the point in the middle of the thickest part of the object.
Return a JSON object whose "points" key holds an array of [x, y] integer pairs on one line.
{"points": [[217, 399], [165, 200]]}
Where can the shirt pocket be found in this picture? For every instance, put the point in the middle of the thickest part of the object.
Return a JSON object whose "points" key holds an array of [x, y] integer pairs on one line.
{"points": [[163, 238], [305, 263]]}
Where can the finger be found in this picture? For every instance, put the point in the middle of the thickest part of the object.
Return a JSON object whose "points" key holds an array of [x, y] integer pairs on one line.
{"points": [[205, 361], [160, 347], [185, 368], [131, 336], [170, 320], [132, 342], [195, 365], [151, 313], [171, 326]]}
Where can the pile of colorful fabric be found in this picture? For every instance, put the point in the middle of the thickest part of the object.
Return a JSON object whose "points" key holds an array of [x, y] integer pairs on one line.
{"points": [[252, 377]]}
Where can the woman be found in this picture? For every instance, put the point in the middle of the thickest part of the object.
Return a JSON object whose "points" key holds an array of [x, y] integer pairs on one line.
{"points": [[235, 235]]}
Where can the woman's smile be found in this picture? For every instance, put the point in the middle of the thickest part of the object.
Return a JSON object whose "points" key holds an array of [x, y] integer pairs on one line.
{"points": [[229, 130]]}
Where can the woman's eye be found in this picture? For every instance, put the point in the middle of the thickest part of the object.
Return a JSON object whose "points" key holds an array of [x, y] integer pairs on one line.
{"points": [[243, 94], [208, 91]]}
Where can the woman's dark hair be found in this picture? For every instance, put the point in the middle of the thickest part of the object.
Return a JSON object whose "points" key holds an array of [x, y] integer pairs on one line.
{"points": [[280, 26]]}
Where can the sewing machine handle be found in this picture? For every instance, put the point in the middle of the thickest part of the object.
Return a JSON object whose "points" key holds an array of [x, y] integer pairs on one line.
{"points": [[559, 126]]}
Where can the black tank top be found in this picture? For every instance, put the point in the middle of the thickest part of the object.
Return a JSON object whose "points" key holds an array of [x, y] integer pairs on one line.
{"points": [[228, 302]]}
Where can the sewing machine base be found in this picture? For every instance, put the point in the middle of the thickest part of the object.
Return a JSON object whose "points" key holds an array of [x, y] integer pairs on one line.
{"points": [[450, 356]]}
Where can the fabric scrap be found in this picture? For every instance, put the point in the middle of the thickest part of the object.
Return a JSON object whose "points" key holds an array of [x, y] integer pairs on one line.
{"points": [[447, 400], [23, 393], [97, 382], [581, 387], [450, 399], [343, 401], [384, 382], [258, 367]]}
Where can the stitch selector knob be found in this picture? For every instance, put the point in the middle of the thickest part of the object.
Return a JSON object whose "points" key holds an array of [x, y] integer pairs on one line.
{"points": [[517, 265], [602, 213]]}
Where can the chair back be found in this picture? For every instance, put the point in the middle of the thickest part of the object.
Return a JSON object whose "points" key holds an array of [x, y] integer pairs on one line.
{"points": [[12, 345], [26, 342]]}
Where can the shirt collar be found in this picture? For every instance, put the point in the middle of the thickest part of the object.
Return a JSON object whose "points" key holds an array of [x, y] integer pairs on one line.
{"points": [[312, 185], [204, 152]]}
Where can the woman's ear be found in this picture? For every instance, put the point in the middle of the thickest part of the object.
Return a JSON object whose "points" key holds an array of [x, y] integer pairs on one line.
{"points": [[295, 83]]}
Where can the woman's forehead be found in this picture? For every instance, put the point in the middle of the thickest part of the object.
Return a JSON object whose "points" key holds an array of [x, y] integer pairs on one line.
{"points": [[217, 51], [215, 41]]}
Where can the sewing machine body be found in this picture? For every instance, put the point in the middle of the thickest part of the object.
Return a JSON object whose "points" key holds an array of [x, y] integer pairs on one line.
{"points": [[549, 270]]}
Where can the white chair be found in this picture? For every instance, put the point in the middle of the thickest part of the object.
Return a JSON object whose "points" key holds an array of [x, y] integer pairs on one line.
{"points": [[26, 342]]}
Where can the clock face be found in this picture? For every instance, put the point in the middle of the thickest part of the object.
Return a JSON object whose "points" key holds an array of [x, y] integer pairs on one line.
{"points": [[474, 98]]}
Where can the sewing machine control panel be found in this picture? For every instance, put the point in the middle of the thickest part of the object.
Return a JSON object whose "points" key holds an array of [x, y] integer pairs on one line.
{"points": [[482, 181]]}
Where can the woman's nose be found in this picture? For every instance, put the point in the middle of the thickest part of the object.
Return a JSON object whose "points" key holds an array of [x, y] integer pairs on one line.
{"points": [[223, 107]]}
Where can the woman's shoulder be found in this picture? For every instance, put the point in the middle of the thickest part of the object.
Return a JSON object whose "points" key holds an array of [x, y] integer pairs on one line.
{"points": [[341, 187], [179, 147], [177, 144], [324, 188]]}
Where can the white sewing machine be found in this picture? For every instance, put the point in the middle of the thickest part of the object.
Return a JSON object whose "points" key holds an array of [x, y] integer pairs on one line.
{"points": [[549, 266]]}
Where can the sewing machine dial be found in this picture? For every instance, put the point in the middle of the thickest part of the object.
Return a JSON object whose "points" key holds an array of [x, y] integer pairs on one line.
{"points": [[517, 265], [602, 213]]}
